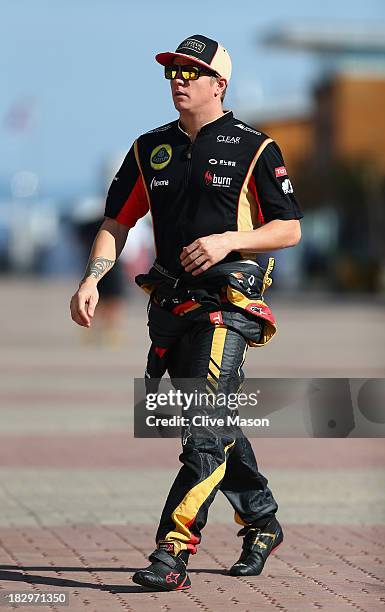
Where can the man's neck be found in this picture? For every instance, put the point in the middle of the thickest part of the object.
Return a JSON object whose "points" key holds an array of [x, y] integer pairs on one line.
{"points": [[191, 123]]}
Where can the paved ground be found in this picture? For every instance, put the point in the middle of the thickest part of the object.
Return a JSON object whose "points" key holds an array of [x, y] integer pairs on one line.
{"points": [[80, 497]]}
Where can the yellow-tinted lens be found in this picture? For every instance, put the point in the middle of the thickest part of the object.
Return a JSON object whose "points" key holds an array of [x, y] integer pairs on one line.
{"points": [[189, 73], [170, 72]]}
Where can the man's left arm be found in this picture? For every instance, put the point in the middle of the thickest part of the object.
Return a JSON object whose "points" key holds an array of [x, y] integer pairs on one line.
{"points": [[276, 208]]}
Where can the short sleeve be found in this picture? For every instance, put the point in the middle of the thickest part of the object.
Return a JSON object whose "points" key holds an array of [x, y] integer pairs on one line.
{"points": [[127, 199], [274, 190]]}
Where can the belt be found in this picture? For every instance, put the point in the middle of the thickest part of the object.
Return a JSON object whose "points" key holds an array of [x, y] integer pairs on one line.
{"points": [[165, 272]]}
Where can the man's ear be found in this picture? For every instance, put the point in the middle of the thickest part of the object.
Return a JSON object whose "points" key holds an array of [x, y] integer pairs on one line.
{"points": [[221, 86]]}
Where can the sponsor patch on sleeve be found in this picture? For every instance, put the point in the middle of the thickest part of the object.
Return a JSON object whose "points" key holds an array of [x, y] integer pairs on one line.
{"points": [[280, 171]]}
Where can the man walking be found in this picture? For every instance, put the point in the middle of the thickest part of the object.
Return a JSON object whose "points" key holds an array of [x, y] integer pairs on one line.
{"points": [[219, 193]]}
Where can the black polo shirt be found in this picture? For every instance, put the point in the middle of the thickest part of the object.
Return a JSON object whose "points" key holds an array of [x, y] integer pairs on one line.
{"points": [[232, 177]]}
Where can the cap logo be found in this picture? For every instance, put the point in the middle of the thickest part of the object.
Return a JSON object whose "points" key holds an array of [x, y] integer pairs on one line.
{"points": [[160, 156], [193, 45]]}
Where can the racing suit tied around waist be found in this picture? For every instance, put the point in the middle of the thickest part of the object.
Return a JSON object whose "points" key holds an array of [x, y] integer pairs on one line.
{"points": [[226, 295]]}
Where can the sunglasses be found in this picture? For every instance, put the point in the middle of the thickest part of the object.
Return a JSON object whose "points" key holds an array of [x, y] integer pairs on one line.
{"points": [[189, 73]]}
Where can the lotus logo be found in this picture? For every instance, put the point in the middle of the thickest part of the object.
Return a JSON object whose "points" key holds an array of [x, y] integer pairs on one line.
{"points": [[193, 44], [160, 156]]}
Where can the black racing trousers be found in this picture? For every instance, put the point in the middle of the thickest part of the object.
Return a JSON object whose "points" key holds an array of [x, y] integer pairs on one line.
{"points": [[213, 458]]}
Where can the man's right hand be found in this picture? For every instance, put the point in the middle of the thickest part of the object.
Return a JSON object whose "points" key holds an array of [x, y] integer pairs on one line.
{"points": [[83, 302]]}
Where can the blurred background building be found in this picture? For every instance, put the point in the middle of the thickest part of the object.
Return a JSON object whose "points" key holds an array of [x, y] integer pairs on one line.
{"points": [[335, 150]]}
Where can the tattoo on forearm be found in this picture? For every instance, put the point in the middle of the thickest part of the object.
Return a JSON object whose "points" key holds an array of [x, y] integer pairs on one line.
{"points": [[98, 267]]}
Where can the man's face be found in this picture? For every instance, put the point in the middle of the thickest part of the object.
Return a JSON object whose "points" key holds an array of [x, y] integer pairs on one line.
{"points": [[191, 95]]}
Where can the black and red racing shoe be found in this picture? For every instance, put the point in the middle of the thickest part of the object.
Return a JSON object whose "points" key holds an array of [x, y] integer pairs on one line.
{"points": [[167, 572]]}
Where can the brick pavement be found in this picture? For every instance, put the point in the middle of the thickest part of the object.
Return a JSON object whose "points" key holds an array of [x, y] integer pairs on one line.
{"points": [[80, 498], [318, 567]]}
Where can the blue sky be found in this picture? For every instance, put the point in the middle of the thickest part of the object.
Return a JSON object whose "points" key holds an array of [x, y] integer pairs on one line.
{"points": [[87, 66]]}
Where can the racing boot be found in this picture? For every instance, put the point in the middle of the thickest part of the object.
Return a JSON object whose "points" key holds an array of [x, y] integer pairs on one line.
{"points": [[167, 571], [258, 543]]}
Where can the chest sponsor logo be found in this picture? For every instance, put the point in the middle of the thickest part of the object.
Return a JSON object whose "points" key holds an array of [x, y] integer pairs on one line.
{"points": [[154, 183], [222, 162], [193, 44], [287, 187], [247, 129], [280, 171], [229, 139], [160, 156], [217, 181]]}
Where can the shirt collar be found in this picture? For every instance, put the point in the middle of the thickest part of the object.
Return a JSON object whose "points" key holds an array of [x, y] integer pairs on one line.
{"points": [[211, 125]]}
